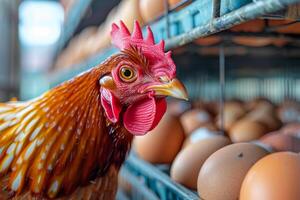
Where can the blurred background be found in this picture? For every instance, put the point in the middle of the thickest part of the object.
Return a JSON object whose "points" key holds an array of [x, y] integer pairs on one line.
{"points": [[239, 60], [31, 31]]}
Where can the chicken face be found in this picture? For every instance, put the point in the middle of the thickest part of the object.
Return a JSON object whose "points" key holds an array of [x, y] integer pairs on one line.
{"points": [[141, 77]]}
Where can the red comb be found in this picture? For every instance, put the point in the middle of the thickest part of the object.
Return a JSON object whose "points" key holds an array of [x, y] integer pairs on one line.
{"points": [[161, 63]]}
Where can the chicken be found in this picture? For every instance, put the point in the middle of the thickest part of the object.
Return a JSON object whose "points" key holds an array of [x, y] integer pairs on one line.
{"points": [[70, 142]]}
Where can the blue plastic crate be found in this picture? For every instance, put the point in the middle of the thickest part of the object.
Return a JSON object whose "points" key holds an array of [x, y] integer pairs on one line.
{"points": [[156, 180]]}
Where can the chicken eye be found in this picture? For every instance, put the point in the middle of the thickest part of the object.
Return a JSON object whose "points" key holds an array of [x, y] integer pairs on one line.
{"points": [[127, 74]]}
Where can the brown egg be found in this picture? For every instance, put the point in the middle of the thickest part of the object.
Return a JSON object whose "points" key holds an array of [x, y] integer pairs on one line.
{"points": [[194, 119], [187, 164], [208, 41], [173, 2], [200, 134], [212, 107], [259, 102], [273, 123], [222, 174], [265, 107], [289, 111], [97, 42], [233, 111], [281, 142], [274, 177], [293, 28], [151, 9], [162, 144], [127, 11], [280, 42], [266, 116], [247, 130], [256, 25], [252, 41], [292, 129]]}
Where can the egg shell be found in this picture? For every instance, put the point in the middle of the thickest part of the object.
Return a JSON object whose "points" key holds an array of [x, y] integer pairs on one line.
{"points": [[266, 116], [233, 111], [247, 130], [260, 103], [200, 134], [274, 177], [151, 9], [127, 11], [208, 41], [281, 142], [162, 144], [193, 119], [173, 2], [289, 111], [222, 174], [187, 164], [280, 42], [252, 41], [97, 42], [293, 28], [256, 25], [212, 107], [292, 129]]}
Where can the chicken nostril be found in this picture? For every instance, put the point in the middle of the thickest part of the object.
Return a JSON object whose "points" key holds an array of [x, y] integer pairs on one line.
{"points": [[164, 79]]}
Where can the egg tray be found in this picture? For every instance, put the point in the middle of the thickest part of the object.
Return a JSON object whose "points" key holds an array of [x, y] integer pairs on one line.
{"points": [[155, 178]]}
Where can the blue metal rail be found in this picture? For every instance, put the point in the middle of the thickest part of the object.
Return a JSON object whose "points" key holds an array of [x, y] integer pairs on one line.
{"points": [[228, 20]]}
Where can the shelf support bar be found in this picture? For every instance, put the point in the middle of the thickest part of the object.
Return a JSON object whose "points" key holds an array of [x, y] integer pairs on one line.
{"points": [[248, 12]]}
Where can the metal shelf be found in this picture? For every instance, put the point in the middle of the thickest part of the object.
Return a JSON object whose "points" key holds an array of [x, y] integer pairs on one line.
{"points": [[196, 20]]}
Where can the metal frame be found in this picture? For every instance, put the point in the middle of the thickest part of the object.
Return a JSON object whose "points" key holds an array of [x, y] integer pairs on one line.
{"points": [[198, 24], [243, 14]]}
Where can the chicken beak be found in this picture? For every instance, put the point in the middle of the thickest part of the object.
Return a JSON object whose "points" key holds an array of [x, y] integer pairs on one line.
{"points": [[173, 88]]}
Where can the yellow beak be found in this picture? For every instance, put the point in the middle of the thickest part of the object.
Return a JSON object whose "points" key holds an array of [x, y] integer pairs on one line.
{"points": [[173, 88]]}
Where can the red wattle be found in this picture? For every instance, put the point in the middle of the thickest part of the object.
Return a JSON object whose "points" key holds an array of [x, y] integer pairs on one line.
{"points": [[144, 115], [111, 105]]}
